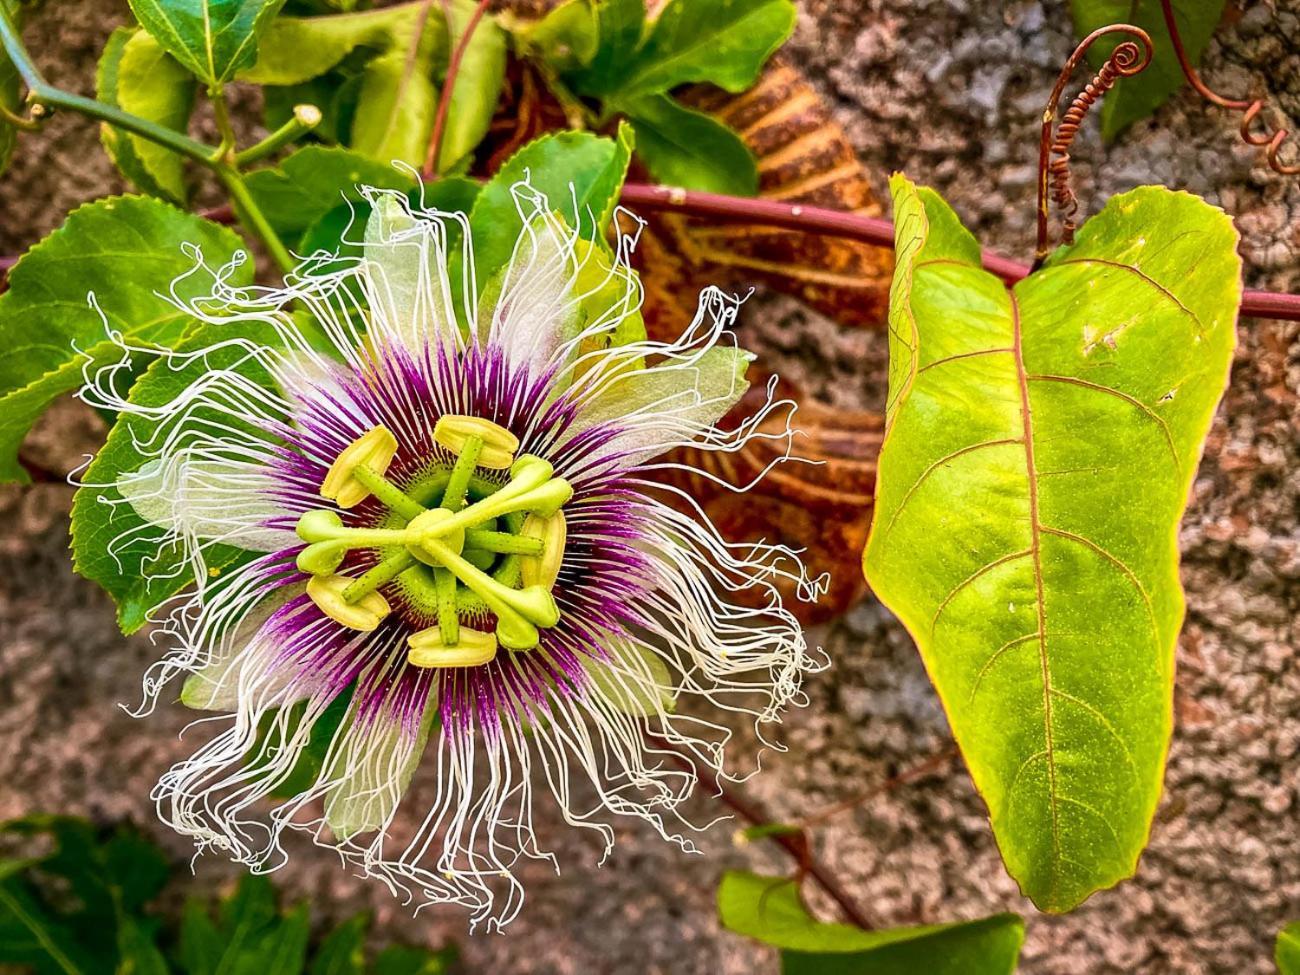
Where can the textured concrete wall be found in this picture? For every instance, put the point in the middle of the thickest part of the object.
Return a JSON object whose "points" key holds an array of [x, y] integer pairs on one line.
{"points": [[949, 91]]}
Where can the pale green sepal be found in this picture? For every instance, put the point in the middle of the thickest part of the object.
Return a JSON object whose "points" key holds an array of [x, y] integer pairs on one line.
{"points": [[366, 799], [215, 687], [1039, 451], [409, 298], [636, 680]]}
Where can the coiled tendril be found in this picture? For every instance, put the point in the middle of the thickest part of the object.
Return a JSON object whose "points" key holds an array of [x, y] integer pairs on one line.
{"points": [[1128, 58]]}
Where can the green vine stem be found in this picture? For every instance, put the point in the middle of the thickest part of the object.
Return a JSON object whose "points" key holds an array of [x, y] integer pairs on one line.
{"points": [[220, 159]]}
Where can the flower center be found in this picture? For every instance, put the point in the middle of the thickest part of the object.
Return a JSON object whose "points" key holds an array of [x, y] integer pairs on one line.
{"points": [[457, 543]]}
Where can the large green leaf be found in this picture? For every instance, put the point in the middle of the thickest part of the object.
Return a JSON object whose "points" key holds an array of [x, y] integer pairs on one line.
{"points": [[126, 251], [683, 147], [1039, 449], [212, 38], [111, 543], [477, 84], [723, 42], [1287, 950], [768, 909], [581, 176], [1135, 98], [139, 77], [313, 181]]}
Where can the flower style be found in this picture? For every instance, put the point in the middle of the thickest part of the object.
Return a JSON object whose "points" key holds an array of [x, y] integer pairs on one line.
{"points": [[458, 555]]}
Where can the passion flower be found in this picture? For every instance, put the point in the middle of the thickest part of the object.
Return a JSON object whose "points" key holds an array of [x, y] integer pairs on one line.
{"points": [[463, 564]]}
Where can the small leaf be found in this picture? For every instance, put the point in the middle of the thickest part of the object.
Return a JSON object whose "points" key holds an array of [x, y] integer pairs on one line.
{"points": [[1039, 450], [138, 76], [296, 49], [683, 147], [619, 26], [1133, 99], [126, 251], [566, 38], [396, 104], [477, 84], [313, 181], [580, 175], [769, 910], [723, 42], [342, 950], [111, 543], [1287, 951], [212, 38]]}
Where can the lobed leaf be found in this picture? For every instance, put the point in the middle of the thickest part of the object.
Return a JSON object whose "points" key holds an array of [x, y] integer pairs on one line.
{"points": [[138, 76], [1133, 99], [1039, 449], [125, 251], [214, 39], [769, 910], [683, 147]]}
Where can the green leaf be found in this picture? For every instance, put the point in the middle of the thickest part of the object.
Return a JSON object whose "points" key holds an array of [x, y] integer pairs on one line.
{"points": [[396, 104], [1287, 951], [137, 867], [10, 99], [768, 909], [201, 944], [111, 543], [137, 949], [619, 26], [683, 147], [138, 76], [296, 49], [567, 38], [342, 950], [124, 250], [477, 84], [723, 42], [580, 175], [401, 960], [213, 38], [1133, 99], [312, 182], [1039, 450]]}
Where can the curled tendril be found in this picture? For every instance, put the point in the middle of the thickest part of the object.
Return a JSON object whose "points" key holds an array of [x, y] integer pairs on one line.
{"points": [[1127, 59], [1250, 107]]}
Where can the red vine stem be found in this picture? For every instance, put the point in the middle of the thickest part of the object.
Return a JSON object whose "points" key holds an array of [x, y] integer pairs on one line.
{"points": [[832, 223], [1125, 61], [870, 230], [430, 170], [1250, 107], [795, 844]]}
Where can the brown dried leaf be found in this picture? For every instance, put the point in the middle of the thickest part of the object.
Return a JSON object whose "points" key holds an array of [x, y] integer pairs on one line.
{"points": [[803, 157]]}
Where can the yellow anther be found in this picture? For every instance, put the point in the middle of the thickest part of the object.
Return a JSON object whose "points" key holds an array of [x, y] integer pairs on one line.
{"points": [[327, 593], [542, 570], [374, 450], [499, 444], [472, 649]]}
